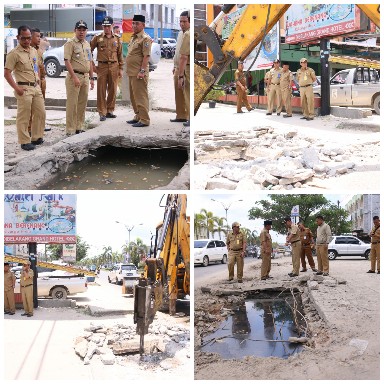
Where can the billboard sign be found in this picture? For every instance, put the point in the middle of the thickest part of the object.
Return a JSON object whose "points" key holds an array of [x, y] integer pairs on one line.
{"points": [[39, 218], [312, 21]]}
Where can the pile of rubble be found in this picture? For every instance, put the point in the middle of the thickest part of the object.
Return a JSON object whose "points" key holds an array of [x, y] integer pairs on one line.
{"points": [[111, 344], [270, 158]]}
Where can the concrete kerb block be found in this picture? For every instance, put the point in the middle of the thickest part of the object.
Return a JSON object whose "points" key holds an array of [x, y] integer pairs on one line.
{"points": [[56, 303], [317, 307], [351, 113]]}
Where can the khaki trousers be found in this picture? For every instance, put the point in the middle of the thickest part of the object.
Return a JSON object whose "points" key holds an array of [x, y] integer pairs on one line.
{"points": [[77, 98], [31, 103], [235, 258], [181, 109], [274, 92], [322, 258], [375, 256], [296, 253], [286, 96], [138, 89], [43, 86], [242, 99], [9, 301], [265, 263], [186, 89], [107, 80], [307, 251], [27, 296], [307, 101]]}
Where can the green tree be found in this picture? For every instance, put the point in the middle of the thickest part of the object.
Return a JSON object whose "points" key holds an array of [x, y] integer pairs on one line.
{"points": [[137, 250], [199, 224], [55, 251], [219, 226], [209, 220], [280, 206], [107, 254]]}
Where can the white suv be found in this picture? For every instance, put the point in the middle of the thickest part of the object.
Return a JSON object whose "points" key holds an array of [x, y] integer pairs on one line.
{"points": [[347, 246], [207, 251], [119, 271]]}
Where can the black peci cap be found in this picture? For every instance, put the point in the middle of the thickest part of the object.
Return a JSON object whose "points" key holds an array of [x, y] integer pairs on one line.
{"points": [[139, 18]]}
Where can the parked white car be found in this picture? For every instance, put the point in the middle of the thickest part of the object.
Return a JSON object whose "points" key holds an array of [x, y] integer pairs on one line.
{"points": [[58, 284], [209, 251], [119, 271], [347, 246]]}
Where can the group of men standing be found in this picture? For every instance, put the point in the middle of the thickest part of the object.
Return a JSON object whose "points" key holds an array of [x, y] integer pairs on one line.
{"points": [[26, 64], [301, 240], [278, 83]]}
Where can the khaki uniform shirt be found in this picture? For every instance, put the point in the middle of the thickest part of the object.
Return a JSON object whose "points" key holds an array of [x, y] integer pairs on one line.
{"points": [[139, 46], [286, 79], [79, 54], [274, 75], [295, 232], [235, 242], [24, 64], [176, 57], [375, 234], [324, 234], [24, 281], [185, 48], [306, 237], [40, 62], [108, 48], [305, 77], [266, 241], [9, 281], [239, 76]]}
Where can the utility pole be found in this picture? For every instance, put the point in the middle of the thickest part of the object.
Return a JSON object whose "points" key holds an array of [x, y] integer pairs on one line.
{"points": [[325, 86]]}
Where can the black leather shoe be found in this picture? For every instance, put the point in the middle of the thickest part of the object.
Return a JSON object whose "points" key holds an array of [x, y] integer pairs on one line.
{"points": [[139, 125], [103, 118], [79, 131], [186, 124], [314, 269], [263, 278], [269, 277], [303, 118], [319, 273], [325, 274], [38, 141], [133, 121], [309, 118], [303, 270], [293, 275], [178, 120], [287, 116], [370, 271], [278, 114], [28, 147], [29, 315], [239, 281], [47, 129], [378, 272], [240, 112], [11, 313], [268, 113], [24, 314], [110, 115]]}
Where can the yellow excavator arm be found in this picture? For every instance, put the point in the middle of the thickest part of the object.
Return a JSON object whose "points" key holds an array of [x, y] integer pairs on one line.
{"points": [[255, 22]]}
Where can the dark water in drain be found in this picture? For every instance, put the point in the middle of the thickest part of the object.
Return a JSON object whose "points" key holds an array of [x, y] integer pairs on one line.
{"points": [[255, 320], [113, 168]]}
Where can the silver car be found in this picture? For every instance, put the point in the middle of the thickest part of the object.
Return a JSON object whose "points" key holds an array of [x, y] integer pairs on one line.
{"points": [[347, 246]]}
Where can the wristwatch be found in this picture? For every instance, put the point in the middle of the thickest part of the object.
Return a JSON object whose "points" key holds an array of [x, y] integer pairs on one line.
{"points": [[142, 70]]}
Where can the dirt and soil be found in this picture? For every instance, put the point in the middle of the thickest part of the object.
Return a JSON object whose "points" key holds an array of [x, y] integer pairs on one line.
{"points": [[343, 318]]}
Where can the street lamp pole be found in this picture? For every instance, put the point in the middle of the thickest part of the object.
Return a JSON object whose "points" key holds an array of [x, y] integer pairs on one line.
{"points": [[129, 229], [226, 208]]}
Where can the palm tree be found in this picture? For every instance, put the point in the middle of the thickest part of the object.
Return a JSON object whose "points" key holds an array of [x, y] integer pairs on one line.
{"points": [[247, 234], [209, 220], [199, 224], [219, 226], [107, 254], [138, 250]]}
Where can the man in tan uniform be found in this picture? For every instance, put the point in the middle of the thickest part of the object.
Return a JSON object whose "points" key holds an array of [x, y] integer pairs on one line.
{"points": [[273, 87], [78, 61], [9, 291], [375, 245], [181, 109], [139, 51], [236, 246], [241, 89], [23, 62], [109, 68], [286, 89], [26, 288], [266, 250], [184, 69], [306, 76], [294, 239], [323, 238], [306, 239]]}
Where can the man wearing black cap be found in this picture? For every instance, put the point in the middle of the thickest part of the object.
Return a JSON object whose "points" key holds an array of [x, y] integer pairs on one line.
{"points": [[286, 89], [139, 51], [241, 88], [79, 64], [109, 68], [266, 250], [273, 87], [294, 239], [9, 290]]}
